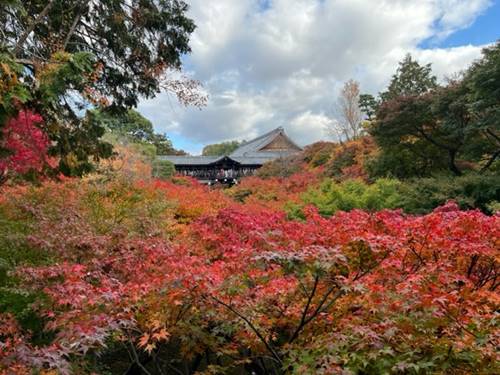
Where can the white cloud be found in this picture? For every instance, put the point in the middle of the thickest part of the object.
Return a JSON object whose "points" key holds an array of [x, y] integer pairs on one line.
{"points": [[283, 65], [448, 61], [307, 123], [458, 14]]}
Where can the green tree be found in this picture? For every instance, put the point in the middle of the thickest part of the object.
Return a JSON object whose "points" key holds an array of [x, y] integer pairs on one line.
{"points": [[410, 79], [67, 54], [434, 126], [219, 149], [163, 169], [131, 124], [438, 127], [470, 191], [368, 105], [483, 80], [135, 42], [164, 145], [401, 130]]}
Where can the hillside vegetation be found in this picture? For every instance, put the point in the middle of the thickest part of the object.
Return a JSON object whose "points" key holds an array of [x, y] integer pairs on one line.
{"points": [[376, 254], [109, 274]]}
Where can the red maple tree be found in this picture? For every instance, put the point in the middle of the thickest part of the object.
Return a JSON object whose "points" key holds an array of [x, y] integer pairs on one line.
{"points": [[26, 143]]}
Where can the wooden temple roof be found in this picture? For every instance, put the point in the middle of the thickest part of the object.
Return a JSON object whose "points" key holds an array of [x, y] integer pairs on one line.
{"points": [[267, 147]]}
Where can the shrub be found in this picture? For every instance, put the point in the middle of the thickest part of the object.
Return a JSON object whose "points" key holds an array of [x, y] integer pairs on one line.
{"points": [[318, 153], [348, 160], [281, 167], [494, 207], [331, 196], [163, 169], [243, 291], [469, 191], [185, 280], [418, 196], [272, 192]]}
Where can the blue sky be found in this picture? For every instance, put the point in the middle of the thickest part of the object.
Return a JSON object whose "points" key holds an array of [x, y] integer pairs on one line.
{"points": [[485, 29], [270, 63], [182, 143]]}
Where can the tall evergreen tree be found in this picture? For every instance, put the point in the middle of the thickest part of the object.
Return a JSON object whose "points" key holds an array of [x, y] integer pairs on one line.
{"points": [[368, 105], [423, 128], [67, 54], [410, 79]]}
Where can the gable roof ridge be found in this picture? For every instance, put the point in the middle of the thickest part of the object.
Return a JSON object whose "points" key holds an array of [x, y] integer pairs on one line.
{"points": [[261, 139], [277, 130], [286, 137]]}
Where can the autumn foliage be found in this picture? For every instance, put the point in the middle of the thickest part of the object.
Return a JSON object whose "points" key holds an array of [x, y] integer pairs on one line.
{"points": [[120, 275], [27, 145], [340, 161], [312, 267]]}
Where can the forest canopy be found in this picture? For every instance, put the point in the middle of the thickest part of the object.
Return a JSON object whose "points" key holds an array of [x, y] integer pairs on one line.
{"points": [[422, 127]]}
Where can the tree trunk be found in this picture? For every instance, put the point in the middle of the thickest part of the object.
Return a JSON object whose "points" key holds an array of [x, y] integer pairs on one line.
{"points": [[453, 167]]}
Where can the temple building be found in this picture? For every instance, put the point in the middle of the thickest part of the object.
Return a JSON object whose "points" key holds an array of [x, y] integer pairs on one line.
{"points": [[244, 161]]}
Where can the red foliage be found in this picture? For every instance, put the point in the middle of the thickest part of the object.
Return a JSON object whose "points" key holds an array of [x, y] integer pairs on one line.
{"points": [[19, 357], [394, 289], [277, 281], [275, 192], [27, 143], [191, 198], [319, 153]]}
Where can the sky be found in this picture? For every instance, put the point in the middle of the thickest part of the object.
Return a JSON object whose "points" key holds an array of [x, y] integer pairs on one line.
{"points": [[270, 63]]}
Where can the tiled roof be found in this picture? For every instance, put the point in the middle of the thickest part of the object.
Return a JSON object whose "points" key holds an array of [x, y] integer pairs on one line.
{"points": [[253, 160], [252, 148], [249, 153], [191, 160]]}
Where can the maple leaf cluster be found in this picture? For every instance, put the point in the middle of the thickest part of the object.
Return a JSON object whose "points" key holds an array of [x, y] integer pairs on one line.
{"points": [[174, 274], [274, 192], [27, 145]]}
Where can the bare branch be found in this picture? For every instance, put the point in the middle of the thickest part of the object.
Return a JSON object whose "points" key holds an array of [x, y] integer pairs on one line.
{"points": [[136, 358], [348, 125]]}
